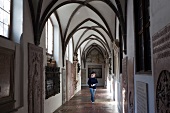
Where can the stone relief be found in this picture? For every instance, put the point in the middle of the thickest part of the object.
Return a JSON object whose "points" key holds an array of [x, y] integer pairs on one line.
{"points": [[35, 79], [124, 85], [163, 92], [95, 57], [161, 58], [130, 85]]}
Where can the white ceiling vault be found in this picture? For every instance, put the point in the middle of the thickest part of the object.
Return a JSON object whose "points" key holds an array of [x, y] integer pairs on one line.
{"points": [[88, 23]]}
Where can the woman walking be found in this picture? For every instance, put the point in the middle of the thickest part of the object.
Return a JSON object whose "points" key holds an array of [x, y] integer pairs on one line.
{"points": [[92, 82]]}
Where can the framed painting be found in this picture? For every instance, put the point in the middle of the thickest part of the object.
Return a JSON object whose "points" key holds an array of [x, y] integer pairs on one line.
{"points": [[97, 69]]}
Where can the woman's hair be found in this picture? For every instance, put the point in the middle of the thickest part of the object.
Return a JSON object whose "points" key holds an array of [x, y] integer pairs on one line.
{"points": [[93, 72]]}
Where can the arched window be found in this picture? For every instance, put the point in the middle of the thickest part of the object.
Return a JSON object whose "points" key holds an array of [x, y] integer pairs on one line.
{"points": [[49, 37], [4, 17]]}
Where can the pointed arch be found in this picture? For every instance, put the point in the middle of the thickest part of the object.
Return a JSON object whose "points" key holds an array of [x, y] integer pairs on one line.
{"points": [[87, 29], [89, 37]]}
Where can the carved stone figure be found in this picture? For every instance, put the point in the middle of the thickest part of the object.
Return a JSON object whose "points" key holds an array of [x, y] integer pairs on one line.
{"points": [[35, 79]]}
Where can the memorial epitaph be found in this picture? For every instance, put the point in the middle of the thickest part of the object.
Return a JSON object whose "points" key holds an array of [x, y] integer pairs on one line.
{"points": [[130, 85], [52, 81], [142, 97], [35, 79], [6, 80], [161, 65], [125, 85]]}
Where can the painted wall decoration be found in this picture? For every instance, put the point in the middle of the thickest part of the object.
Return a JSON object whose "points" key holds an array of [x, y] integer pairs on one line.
{"points": [[95, 57], [125, 85], [161, 65], [63, 86], [130, 85], [35, 79], [97, 69], [6, 80], [69, 80], [74, 72]]}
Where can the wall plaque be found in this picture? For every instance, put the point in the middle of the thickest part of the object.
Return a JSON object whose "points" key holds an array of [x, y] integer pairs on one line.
{"points": [[163, 92], [142, 97], [35, 79], [124, 85], [70, 86], [6, 80], [161, 65], [130, 86], [63, 86], [52, 81]]}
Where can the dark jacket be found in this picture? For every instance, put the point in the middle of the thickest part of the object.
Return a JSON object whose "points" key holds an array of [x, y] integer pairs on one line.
{"points": [[92, 81]]}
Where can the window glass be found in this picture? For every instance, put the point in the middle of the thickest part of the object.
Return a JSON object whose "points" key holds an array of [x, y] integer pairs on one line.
{"points": [[1, 28], [49, 37], [1, 3], [5, 30], [1, 13], [7, 6], [4, 17], [46, 36]]}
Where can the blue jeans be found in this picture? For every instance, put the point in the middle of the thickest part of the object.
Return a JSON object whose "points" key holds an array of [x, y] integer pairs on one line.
{"points": [[92, 91]]}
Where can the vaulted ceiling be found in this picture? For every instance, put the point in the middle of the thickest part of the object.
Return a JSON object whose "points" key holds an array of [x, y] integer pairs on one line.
{"points": [[88, 23]]}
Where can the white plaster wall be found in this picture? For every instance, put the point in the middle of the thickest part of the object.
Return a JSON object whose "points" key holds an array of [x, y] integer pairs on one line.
{"points": [[17, 21], [54, 102], [67, 53], [159, 14], [70, 53], [27, 37], [79, 74], [79, 82], [107, 82], [51, 104]]}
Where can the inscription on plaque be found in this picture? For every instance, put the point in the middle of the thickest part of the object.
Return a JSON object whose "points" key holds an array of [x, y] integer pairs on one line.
{"points": [[124, 85], [142, 97], [161, 43], [35, 79], [130, 70], [161, 57]]}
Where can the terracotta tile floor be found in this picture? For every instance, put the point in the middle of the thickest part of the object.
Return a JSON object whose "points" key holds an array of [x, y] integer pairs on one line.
{"points": [[81, 103]]}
